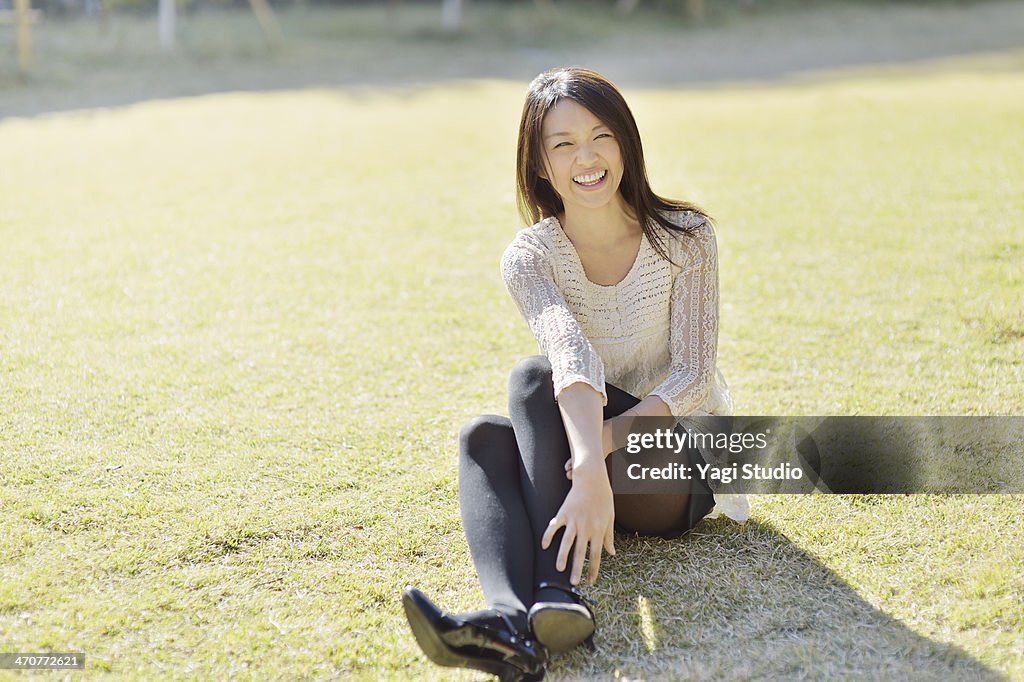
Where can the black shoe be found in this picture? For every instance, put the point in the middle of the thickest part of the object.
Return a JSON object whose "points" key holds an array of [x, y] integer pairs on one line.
{"points": [[485, 641], [562, 626]]}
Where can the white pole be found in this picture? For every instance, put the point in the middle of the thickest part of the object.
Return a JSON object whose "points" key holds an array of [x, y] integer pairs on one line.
{"points": [[451, 15], [168, 19]]}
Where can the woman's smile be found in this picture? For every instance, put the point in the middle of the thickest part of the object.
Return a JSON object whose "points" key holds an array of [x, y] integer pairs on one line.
{"points": [[591, 180]]}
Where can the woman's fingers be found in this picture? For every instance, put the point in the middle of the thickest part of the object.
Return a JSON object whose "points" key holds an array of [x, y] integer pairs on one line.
{"points": [[595, 552], [577, 559], [588, 529], [552, 528], [563, 551], [595, 561]]}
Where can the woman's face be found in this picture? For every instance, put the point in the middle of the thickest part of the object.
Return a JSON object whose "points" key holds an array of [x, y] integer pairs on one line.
{"points": [[583, 161]]}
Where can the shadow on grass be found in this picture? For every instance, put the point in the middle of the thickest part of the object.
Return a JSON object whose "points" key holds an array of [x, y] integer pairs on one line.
{"points": [[742, 602]]}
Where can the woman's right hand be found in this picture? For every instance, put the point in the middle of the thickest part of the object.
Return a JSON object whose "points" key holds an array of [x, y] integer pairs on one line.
{"points": [[588, 516]]}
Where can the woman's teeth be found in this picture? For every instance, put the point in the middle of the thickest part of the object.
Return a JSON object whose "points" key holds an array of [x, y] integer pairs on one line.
{"points": [[591, 179]]}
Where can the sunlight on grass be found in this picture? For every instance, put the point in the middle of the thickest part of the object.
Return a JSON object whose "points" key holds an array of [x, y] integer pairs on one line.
{"points": [[241, 331], [647, 623]]}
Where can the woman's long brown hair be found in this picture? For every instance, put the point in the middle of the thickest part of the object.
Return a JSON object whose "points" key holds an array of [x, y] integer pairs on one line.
{"points": [[535, 196]]}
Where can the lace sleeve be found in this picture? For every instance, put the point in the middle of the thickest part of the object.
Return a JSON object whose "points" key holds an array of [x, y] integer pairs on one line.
{"points": [[526, 269], [693, 333]]}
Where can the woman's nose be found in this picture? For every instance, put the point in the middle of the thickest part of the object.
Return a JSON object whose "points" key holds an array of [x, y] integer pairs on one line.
{"points": [[585, 154]]}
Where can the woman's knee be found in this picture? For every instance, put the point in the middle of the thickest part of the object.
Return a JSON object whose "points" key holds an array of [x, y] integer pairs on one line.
{"points": [[487, 433], [530, 379]]}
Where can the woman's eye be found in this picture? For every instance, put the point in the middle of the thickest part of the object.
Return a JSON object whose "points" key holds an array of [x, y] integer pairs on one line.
{"points": [[562, 144], [603, 135]]}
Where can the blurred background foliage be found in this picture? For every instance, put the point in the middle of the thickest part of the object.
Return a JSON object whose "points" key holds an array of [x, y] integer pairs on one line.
{"points": [[88, 53], [693, 9]]}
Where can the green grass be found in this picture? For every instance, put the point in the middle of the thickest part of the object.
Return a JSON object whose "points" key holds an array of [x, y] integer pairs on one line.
{"points": [[239, 333]]}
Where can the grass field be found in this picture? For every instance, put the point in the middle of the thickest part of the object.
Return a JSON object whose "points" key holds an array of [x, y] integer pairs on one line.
{"points": [[239, 332]]}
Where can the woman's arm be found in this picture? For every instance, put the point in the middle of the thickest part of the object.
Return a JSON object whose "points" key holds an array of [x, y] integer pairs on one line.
{"points": [[693, 330], [527, 271], [588, 512], [651, 406]]}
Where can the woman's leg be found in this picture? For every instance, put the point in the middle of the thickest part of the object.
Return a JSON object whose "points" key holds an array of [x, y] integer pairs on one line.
{"points": [[544, 449], [497, 527], [512, 482]]}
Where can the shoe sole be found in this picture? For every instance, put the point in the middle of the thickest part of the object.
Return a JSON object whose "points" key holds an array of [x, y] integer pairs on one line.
{"points": [[562, 628], [437, 650]]}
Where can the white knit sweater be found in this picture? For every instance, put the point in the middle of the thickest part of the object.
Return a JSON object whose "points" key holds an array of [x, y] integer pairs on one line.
{"points": [[653, 333]]}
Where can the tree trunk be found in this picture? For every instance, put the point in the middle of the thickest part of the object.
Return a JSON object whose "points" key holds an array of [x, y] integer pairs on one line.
{"points": [[21, 17], [624, 7], [268, 22], [547, 9], [695, 9]]}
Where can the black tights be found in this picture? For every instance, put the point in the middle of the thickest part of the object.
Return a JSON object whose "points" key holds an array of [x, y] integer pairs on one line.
{"points": [[512, 483]]}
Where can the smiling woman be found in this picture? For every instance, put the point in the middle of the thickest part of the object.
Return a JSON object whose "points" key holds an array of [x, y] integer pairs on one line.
{"points": [[582, 158], [620, 288]]}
